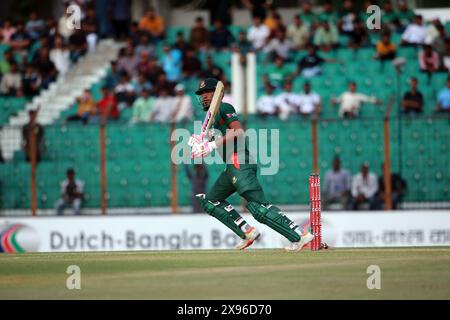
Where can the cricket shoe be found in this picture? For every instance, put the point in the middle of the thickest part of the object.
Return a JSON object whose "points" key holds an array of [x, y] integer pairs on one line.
{"points": [[304, 240], [250, 236]]}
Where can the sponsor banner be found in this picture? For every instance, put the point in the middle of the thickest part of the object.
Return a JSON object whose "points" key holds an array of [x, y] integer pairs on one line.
{"points": [[118, 233]]}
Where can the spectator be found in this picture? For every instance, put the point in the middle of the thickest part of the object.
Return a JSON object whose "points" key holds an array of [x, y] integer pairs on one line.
{"points": [[277, 74], [413, 99], [199, 179], [11, 83], [78, 44], [124, 91], [266, 105], [256, 7], [199, 38], [359, 37], [398, 189], [298, 33], [20, 40], [348, 16], [386, 49], [121, 17], [145, 45], [154, 70], [162, 84], [326, 37], [364, 189], [38, 130], [389, 18], [65, 29], [428, 60], [60, 56], [141, 84], [191, 65], [143, 63], [280, 45], [443, 99], [153, 24], [45, 67], [438, 43], [90, 20], [182, 103], [71, 194], [107, 106], [309, 65], [136, 34], [220, 38], [171, 63], [351, 101], [287, 101], [113, 76], [163, 108], [86, 108], [31, 81], [258, 34], [34, 26], [142, 107], [7, 30], [212, 71], [181, 43], [432, 30], [272, 19], [404, 14], [309, 102], [338, 184], [129, 61], [415, 33], [328, 14], [242, 45]]}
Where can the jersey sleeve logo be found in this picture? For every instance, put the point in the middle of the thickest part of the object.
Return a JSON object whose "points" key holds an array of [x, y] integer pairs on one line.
{"points": [[231, 115]]}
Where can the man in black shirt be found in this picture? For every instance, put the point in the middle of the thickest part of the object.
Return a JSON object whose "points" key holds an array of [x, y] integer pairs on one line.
{"points": [[413, 99]]}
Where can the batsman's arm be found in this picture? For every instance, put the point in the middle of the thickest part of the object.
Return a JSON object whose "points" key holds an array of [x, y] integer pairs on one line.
{"points": [[235, 131]]}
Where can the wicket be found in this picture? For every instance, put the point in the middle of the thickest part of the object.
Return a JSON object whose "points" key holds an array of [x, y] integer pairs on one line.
{"points": [[315, 209]]}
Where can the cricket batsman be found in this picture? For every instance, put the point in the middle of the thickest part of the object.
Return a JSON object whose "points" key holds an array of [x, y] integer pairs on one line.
{"points": [[238, 176]]}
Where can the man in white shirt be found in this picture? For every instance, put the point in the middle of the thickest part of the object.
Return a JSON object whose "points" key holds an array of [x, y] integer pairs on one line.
{"points": [[163, 108], [298, 33], [308, 102], [287, 100], [351, 102], [280, 45], [258, 34], [183, 108], [266, 105], [364, 188], [71, 194], [415, 33]]}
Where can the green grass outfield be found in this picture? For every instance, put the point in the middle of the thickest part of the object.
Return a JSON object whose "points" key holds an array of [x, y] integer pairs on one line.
{"points": [[414, 273]]}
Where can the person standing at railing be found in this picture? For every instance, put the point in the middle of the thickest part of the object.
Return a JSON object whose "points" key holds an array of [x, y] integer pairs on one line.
{"points": [[38, 130]]}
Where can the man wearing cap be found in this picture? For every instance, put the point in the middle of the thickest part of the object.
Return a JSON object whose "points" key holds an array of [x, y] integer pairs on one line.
{"points": [[240, 175]]}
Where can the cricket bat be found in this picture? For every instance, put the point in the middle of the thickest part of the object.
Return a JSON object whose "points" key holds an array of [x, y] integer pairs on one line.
{"points": [[213, 107]]}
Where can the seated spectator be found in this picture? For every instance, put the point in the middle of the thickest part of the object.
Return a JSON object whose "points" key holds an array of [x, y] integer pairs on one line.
{"points": [[280, 45], [11, 84], [183, 110], [124, 91], [309, 65], [258, 34], [107, 106], [162, 84], [438, 44], [7, 30], [328, 14], [141, 84], [191, 65], [72, 194], [389, 18], [86, 108], [163, 108], [273, 20], [348, 16], [199, 37], [242, 46], [404, 14], [307, 15], [308, 102], [428, 60], [142, 107], [432, 30], [144, 45], [45, 67], [220, 38], [266, 105], [386, 49], [78, 44], [326, 37], [364, 189], [398, 189], [31, 81], [60, 56], [359, 37], [181, 43], [351, 101], [171, 63], [113, 77], [129, 62], [20, 40], [415, 33], [143, 63], [443, 99], [298, 33], [154, 70], [152, 24], [34, 26], [277, 73], [413, 99], [135, 34], [287, 101], [337, 186], [30, 127], [212, 71]]}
